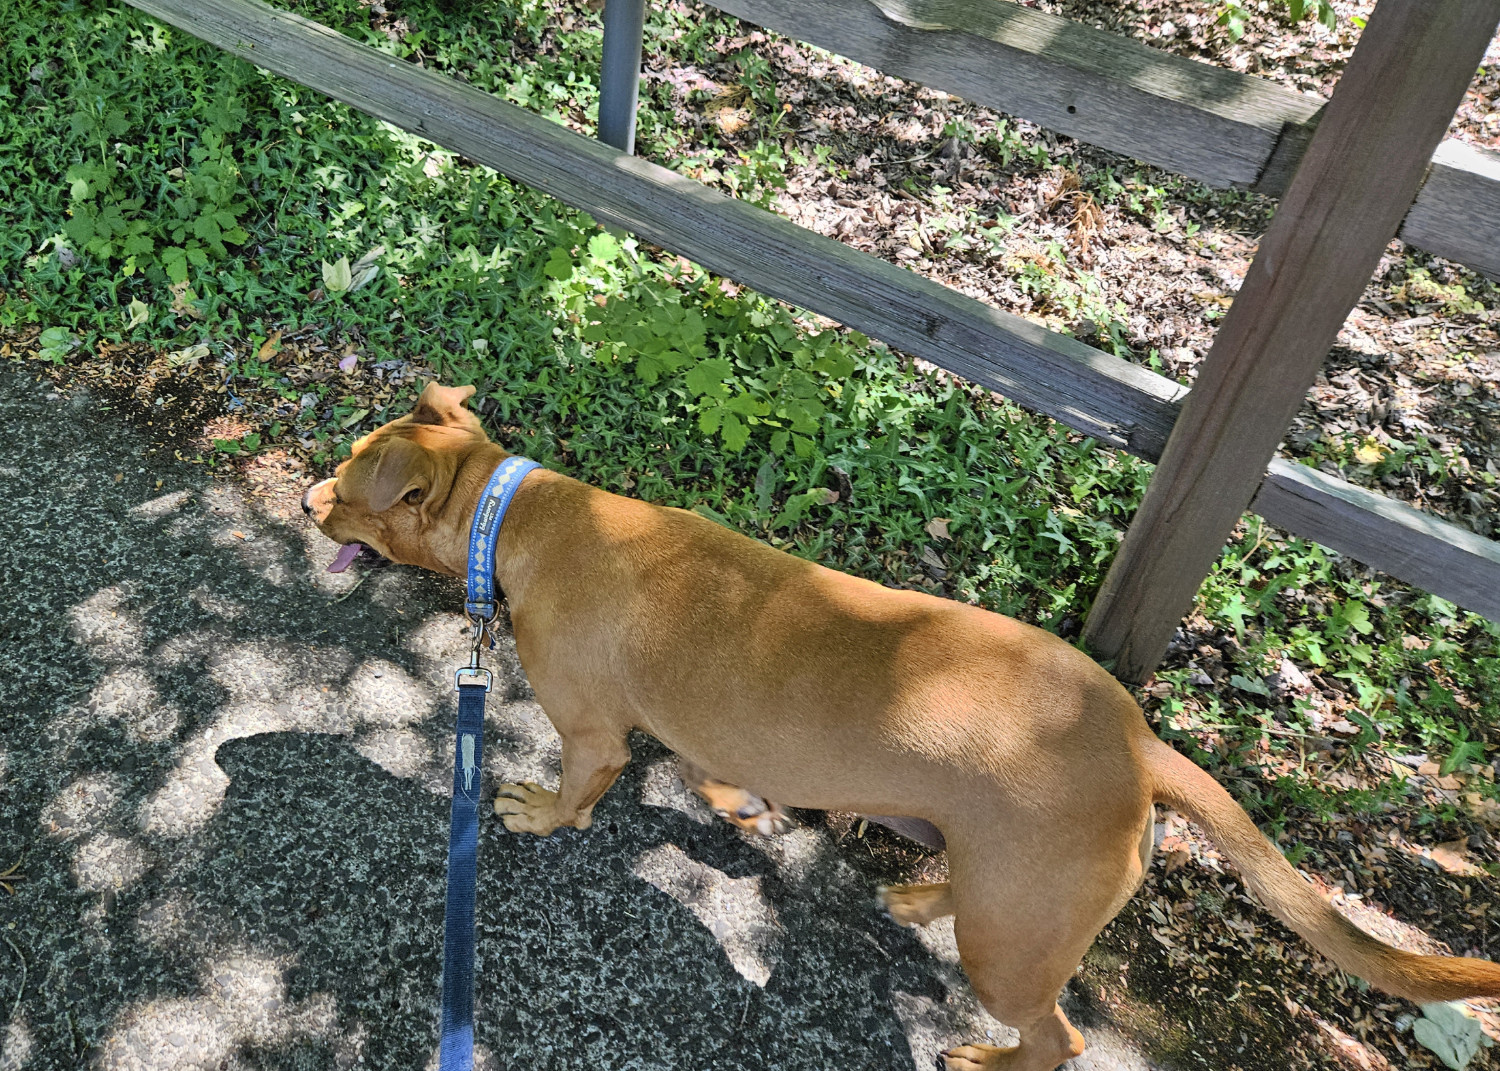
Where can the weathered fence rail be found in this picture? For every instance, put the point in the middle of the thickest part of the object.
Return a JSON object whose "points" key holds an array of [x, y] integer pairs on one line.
{"points": [[1423, 550], [1119, 403], [1217, 126]]}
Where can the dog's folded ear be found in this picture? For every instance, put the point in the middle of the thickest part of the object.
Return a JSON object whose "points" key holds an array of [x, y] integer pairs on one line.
{"points": [[444, 405], [404, 470]]}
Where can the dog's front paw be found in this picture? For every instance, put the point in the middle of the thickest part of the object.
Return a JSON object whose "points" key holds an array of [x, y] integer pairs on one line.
{"points": [[527, 808]]}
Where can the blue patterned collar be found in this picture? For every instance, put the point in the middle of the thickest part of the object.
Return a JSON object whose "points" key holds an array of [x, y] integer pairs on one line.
{"points": [[484, 594]]}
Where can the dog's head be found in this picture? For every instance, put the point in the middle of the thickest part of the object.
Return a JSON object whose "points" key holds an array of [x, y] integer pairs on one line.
{"points": [[404, 490]]}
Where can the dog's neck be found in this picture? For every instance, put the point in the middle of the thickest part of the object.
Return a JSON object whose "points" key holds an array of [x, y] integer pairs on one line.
{"points": [[450, 542]]}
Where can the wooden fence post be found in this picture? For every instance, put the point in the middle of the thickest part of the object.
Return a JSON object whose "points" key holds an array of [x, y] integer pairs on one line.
{"points": [[1359, 176], [620, 72]]}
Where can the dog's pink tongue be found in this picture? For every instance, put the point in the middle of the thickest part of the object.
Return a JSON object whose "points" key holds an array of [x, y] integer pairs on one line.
{"points": [[344, 557]]}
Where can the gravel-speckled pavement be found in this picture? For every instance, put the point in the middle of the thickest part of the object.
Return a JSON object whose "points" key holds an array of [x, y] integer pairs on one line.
{"points": [[222, 773]]}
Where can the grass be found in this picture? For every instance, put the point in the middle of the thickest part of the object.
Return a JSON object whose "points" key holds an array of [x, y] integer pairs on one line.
{"points": [[153, 190]]}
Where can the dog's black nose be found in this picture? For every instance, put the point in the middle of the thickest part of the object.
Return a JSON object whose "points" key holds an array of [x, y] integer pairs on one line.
{"points": [[306, 505]]}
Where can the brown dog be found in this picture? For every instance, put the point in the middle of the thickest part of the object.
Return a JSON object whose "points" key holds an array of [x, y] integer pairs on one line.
{"points": [[821, 690]]}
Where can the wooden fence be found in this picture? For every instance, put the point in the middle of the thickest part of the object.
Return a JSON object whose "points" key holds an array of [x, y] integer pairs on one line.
{"points": [[1349, 174]]}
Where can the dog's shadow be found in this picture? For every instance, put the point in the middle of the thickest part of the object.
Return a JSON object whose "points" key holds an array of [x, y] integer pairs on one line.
{"points": [[650, 940]]}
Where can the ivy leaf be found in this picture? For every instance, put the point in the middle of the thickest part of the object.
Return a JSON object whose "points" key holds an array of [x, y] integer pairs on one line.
{"points": [[1249, 684], [1235, 610], [1464, 751], [1449, 1032], [797, 506], [337, 277], [140, 312]]}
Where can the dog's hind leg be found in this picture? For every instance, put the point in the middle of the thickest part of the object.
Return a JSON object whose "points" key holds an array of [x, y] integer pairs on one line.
{"points": [[735, 805], [1023, 920], [591, 761], [1017, 974], [917, 905]]}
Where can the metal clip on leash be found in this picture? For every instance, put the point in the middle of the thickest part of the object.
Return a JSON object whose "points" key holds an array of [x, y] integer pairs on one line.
{"points": [[474, 673]]}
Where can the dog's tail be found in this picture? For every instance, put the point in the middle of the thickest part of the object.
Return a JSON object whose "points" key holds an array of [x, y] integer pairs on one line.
{"points": [[1293, 899]]}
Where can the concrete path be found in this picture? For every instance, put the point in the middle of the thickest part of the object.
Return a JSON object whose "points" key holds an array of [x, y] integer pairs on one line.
{"points": [[223, 773]]}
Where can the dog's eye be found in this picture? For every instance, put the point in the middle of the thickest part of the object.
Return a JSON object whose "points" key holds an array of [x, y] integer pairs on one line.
{"points": [[413, 496]]}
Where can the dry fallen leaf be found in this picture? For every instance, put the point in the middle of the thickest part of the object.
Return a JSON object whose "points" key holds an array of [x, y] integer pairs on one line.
{"points": [[938, 528], [932, 558], [187, 359], [269, 347], [1453, 857], [730, 109], [182, 300]]}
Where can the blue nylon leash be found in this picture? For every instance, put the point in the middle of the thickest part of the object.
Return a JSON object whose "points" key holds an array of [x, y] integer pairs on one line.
{"points": [[456, 1048], [456, 1043]]}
